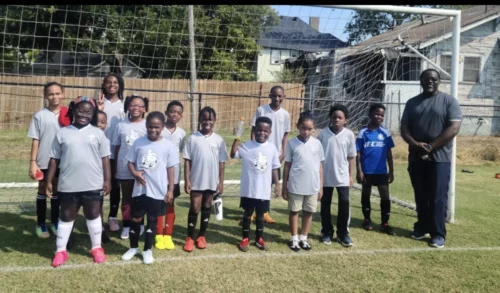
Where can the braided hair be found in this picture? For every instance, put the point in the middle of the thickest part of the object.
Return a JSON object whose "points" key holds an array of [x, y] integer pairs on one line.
{"points": [[129, 99], [73, 105], [121, 85]]}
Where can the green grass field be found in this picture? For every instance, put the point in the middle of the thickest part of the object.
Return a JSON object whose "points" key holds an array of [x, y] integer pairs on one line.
{"points": [[376, 263]]}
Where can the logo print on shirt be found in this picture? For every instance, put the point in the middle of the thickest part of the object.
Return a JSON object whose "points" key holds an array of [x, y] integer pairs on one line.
{"points": [[260, 163], [92, 137], [131, 137], [380, 136], [149, 160]]}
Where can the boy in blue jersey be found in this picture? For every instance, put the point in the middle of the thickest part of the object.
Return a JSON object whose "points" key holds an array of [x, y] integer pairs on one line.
{"points": [[374, 144]]}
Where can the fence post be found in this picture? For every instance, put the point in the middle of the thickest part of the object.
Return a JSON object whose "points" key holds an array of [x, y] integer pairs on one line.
{"points": [[192, 66], [200, 98]]}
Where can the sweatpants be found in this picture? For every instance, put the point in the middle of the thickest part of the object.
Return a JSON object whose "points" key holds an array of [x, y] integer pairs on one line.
{"points": [[343, 211]]}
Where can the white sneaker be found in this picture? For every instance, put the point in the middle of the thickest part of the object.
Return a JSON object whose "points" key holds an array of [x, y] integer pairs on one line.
{"points": [[147, 257], [113, 224], [125, 233], [142, 230], [130, 253]]}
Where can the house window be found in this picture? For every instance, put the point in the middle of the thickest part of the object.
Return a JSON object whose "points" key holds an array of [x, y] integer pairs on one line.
{"points": [[472, 66], [275, 57], [404, 69], [445, 64]]}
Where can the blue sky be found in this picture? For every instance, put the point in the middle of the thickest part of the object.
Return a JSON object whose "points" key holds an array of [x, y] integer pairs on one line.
{"points": [[331, 21]]}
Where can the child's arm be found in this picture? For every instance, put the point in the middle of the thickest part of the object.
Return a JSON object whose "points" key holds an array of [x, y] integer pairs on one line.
{"points": [[286, 175], [53, 164], [187, 174], [283, 147], [391, 165], [138, 175], [220, 186], [277, 185], [360, 176], [351, 168], [320, 193], [234, 148], [106, 168], [171, 178], [34, 153]]}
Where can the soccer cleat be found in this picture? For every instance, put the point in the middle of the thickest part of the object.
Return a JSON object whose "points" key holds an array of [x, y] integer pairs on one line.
{"points": [[417, 235], [345, 241], [326, 239], [260, 244], [147, 257], [159, 242], [142, 230], [437, 242], [105, 237], [130, 253], [304, 245], [125, 233], [201, 242], [113, 224], [169, 244], [385, 228], [98, 255], [41, 231], [294, 245], [244, 245], [367, 225], [53, 228], [60, 258], [189, 245], [268, 219]]}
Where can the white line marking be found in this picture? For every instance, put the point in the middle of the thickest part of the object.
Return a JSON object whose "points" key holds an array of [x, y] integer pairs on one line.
{"points": [[250, 255]]}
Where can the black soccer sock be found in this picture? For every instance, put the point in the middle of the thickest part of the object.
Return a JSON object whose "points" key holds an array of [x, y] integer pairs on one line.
{"points": [[246, 227], [385, 208], [135, 230], [142, 222], [114, 199], [366, 205], [54, 209], [150, 233], [41, 208], [259, 221], [192, 218], [205, 217]]}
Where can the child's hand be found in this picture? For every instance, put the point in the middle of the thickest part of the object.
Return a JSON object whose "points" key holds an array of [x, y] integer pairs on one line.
{"points": [[284, 194], [48, 189], [100, 101], [282, 158], [139, 177], [277, 190], [220, 188], [33, 170], [391, 177], [187, 187], [169, 198], [360, 177], [320, 194], [106, 187]]}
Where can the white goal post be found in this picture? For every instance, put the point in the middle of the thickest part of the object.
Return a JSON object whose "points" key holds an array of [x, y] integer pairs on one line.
{"points": [[456, 16]]}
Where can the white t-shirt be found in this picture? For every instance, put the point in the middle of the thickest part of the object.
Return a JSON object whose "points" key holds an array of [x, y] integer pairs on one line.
{"points": [[177, 139], [281, 123], [306, 160], [154, 158], [115, 113], [257, 163], [44, 127], [337, 148], [124, 136], [80, 152], [205, 154]]}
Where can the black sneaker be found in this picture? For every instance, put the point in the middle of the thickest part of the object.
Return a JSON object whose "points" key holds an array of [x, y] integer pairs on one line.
{"points": [[385, 228], [293, 245], [367, 225], [346, 241], [105, 237], [304, 245]]}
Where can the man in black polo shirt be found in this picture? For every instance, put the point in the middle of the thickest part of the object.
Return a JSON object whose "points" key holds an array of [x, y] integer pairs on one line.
{"points": [[430, 122]]}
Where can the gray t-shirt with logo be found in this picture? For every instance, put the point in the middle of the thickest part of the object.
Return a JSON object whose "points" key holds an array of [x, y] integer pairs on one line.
{"points": [[427, 118]]}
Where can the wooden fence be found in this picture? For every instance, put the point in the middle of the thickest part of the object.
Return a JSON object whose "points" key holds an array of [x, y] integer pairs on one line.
{"points": [[21, 97]]}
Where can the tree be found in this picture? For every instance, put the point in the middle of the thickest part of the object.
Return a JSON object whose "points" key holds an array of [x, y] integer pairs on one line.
{"points": [[289, 75], [365, 23]]}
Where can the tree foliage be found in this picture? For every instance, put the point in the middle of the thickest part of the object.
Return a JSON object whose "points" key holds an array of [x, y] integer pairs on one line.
{"points": [[152, 36]]}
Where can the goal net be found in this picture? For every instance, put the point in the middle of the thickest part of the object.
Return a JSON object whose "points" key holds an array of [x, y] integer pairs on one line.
{"points": [[320, 56]]}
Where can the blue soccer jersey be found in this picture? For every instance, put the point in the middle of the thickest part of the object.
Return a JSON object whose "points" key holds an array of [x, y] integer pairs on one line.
{"points": [[373, 146]]}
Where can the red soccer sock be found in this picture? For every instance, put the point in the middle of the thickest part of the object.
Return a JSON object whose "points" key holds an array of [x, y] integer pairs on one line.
{"points": [[159, 225], [169, 221]]}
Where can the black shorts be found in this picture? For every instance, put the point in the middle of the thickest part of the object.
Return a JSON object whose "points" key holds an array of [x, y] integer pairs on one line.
{"points": [[46, 173], [177, 190], [260, 206], [204, 192], [79, 197], [142, 205], [376, 179]]}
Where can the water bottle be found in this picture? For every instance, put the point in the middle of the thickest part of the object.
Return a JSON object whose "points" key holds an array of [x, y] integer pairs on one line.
{"points": [[218, 207], [240, 127]]}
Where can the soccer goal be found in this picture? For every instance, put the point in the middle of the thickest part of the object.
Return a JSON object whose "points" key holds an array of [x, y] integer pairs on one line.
{"points": [[321, 55]]}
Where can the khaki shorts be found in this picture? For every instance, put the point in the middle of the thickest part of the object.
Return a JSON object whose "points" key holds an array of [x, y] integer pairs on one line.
{"points": [[297, 202]]}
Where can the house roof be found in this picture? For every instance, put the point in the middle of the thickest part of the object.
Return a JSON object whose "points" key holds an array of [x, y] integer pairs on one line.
{"points": [[294, 34], [435, 29]]}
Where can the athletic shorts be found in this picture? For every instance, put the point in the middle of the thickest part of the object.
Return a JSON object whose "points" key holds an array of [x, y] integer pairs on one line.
{"points": [[46, 173], [260, 206], [79, 197], [204, 192], [142, 205], [377, 179], [298, 202]]}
